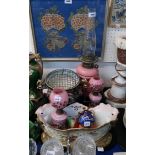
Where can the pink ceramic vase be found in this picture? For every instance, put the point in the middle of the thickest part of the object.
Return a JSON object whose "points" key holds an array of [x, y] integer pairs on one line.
{"points": [[96, 84], [95, 98], [58, 98]]}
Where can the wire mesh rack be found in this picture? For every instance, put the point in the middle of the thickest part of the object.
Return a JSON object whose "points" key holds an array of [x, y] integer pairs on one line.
{"points": [[63, 78]]}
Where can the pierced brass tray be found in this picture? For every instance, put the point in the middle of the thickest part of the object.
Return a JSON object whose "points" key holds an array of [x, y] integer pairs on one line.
{"points": [[64, 78]]}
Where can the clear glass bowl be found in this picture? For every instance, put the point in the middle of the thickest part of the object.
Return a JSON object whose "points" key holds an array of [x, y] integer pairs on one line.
{"points": [[84, 145], [52, 147]]}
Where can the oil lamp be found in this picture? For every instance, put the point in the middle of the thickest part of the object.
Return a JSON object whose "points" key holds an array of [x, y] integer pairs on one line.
{"points": [[96, 85], [88, 69], [59, 99]]}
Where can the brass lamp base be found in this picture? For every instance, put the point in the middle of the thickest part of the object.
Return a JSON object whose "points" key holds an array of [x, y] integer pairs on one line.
{"points": [[88, 61]]}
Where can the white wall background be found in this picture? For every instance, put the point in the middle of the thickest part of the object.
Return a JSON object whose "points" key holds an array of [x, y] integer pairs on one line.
{"points": [[106, 66]]}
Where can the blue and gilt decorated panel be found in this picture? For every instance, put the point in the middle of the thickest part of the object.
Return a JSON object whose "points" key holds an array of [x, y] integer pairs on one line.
{"points": [[57, 33]]}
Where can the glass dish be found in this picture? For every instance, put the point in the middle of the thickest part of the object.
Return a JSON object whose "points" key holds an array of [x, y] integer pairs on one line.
{"points": [[84, 145], [52, 147]]}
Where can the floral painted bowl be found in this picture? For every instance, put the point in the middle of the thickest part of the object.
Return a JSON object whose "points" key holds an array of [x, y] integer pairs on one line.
{"points": [[97, 132]]}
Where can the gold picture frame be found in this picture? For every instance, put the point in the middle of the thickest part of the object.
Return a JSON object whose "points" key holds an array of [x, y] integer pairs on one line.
{"points": [[117, 14], [76, 58]]}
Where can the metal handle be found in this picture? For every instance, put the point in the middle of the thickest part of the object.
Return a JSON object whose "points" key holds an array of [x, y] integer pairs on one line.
{"points": [[96, 66], [38, 59], [40, 84]]}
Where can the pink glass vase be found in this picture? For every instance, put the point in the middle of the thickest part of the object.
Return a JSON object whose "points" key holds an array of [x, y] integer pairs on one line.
{"points": [[96, 84], [58, 98], [95, 98]]}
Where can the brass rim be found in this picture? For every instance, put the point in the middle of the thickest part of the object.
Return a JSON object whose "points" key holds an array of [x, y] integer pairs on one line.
{"points": [[63, 70]]}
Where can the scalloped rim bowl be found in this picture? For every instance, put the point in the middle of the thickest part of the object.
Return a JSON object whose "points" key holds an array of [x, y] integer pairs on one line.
{"points": [[62, 135]]}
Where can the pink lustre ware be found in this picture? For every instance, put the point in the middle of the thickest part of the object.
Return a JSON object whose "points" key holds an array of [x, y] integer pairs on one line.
{"points": [[85, 72], [96, 84], [95, 98], [59, 99], [59, 119]]}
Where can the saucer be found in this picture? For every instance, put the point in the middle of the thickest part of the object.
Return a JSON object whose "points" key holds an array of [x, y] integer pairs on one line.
{"points": [[121, 64], [121, 69], [112, 103], [119, 81], [114, 99]]}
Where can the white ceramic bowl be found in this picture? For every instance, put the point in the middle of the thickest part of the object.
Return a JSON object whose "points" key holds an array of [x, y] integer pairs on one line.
{"points": [[114, 104], [118, 92], [119, 79]]}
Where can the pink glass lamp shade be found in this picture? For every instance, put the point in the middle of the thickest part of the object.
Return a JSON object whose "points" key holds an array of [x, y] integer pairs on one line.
{"points": [[96, 84], [95, 98], [59, 98], [86, 73]]}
